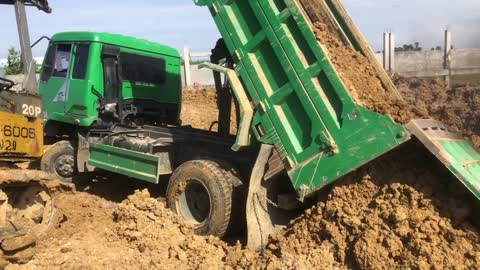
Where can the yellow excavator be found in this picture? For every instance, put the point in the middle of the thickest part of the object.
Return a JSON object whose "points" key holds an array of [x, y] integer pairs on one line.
{"points": [[26, 194]]}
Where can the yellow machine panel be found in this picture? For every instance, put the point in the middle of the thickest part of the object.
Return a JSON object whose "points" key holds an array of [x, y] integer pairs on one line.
{"points": [[20, 136]]}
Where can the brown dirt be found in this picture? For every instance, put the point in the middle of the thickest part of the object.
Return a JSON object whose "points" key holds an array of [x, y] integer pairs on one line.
{"points": [[199, 110], [361, 80], [458, 107], [141, 233], [392, 214]]}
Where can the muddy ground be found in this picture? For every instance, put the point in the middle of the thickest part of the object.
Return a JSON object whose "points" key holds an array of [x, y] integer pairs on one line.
{"points": [[401, 211]]}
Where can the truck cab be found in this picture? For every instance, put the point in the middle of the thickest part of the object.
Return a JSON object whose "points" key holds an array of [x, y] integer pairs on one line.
{"points": [[99, 79]]}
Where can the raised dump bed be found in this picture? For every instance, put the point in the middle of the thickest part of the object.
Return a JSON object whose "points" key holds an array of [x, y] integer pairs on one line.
{"points": [[323, 121]]}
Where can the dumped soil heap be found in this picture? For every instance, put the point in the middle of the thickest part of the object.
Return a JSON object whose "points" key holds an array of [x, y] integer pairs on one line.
{"points": [[458, 107], [391, 214], [162, 240], [361, 79]]}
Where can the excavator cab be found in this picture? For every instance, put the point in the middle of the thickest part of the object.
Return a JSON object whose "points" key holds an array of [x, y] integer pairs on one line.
{"points": [[21, 135]]}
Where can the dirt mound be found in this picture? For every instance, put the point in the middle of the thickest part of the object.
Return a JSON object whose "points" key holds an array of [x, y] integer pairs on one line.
{"points": [[162, 240], [361, 79], [458, 107], [81, 238], [199, 110], [393, 214]]}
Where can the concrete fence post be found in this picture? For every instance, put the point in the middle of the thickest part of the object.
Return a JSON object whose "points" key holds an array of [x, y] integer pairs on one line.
{"points": [[446, 57], [386, 50], [187, 71], [391, 67]]}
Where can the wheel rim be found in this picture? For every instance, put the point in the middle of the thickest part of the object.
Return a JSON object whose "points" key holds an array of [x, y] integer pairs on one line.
{"points": [[194, 203], [65, 166]]}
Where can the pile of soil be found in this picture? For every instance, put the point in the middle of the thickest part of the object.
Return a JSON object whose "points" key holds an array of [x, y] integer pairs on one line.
{"points": [[81, 237], [161, 238], [391, 214], [200, 110], [361, 79], [458, 107]]}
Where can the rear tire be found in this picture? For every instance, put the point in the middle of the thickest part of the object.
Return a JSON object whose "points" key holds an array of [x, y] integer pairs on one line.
{"points": [[59, 161], [200, 191]]}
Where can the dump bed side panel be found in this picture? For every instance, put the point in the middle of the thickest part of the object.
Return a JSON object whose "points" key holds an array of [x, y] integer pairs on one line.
{"points": [[301, 104]]}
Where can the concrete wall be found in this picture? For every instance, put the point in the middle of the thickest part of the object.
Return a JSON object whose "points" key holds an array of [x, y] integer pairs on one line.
{"points": [[199, 77], [420, 64], [432, 63], [408, 64], [465, 61]]}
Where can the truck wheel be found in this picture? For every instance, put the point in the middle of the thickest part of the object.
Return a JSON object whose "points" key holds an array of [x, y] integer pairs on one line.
{"points": [[200, 191], [59, 161]]}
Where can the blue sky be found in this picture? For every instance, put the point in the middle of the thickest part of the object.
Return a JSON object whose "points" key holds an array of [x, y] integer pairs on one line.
{"points": [[179, 22]]}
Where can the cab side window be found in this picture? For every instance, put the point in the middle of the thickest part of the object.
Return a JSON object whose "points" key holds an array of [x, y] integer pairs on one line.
{"points": [[143, 69], [81, 61], [48, 63], [62, 60]]}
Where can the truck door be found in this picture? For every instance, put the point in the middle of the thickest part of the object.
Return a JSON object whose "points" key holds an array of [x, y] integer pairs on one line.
{"points": [[54, 84], [76, 103]]}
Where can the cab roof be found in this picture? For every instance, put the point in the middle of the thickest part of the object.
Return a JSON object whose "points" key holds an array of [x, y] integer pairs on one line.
{"points": [[116, 40]]}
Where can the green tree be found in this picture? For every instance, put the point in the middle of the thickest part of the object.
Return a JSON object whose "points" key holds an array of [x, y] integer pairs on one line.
{"points": [[14, 62]]}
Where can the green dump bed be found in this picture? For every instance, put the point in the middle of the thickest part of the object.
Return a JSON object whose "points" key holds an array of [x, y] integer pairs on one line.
{"points": [[300, 103]]}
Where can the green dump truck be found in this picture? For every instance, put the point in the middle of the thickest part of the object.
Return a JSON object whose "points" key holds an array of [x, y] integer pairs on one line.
{"points": [[113, 103]]}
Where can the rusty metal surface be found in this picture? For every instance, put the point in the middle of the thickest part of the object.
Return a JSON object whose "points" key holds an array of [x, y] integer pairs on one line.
{"points": [[40, 4]]}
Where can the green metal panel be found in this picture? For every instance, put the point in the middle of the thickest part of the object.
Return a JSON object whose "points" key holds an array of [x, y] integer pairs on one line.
{"points": [[302, 105], [125, 162], [465, 163], [456, 153]]}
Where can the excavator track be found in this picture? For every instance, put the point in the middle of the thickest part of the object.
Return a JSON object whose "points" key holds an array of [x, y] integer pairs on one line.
{"points": [[27, 211]]}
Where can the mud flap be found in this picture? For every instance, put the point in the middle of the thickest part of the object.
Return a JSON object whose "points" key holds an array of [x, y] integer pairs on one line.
{"points": [[455, 152], [259, 223]]}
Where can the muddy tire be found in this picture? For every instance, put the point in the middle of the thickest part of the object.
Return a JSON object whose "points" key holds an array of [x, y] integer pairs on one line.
{"points": [[200, 191], [59, 161]]}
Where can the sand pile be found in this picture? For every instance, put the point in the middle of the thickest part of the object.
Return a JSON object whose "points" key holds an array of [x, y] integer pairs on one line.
{"points": [[458, 107]]}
